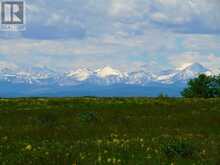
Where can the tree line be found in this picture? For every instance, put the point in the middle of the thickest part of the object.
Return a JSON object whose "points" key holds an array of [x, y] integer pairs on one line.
{"points": [[202, 87]]}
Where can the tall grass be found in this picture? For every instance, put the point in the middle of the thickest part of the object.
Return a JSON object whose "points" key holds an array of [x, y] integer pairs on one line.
{"points": [[99, 131]]}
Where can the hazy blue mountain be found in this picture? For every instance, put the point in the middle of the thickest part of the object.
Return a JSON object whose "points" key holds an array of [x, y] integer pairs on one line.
{"points": [[42, 81]]}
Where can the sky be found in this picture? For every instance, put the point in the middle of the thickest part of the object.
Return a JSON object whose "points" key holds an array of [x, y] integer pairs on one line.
{"points": [[124, 34]]}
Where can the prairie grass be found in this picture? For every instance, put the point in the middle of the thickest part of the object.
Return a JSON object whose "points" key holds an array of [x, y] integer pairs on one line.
{"points": [[102, 131]]}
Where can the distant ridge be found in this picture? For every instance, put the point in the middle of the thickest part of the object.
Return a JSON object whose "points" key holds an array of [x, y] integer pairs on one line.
{"points": [[41, 80]]}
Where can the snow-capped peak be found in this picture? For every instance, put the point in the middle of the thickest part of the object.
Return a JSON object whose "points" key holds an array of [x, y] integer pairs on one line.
{"points": [[186, 72], [190, 72], [80, 74], [140, 77], [103, 76], [184, 66], [107, 71], [7, 67], [195, 67]]}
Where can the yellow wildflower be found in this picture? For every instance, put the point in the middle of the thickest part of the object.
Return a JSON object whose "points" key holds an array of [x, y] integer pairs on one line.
{"points": [[5, 138], [82, 156], [116, 141], [28, 147], [99, 158], [109, 160]]}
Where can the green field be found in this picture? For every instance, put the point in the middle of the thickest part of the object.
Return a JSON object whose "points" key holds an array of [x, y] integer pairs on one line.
{"points": [[102, 131]]}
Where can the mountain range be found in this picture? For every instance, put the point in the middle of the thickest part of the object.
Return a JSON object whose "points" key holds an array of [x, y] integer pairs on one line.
{"points": [[107, 81]]}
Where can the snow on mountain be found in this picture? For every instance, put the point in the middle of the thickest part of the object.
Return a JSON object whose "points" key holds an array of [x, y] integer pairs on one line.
{"points": [[195, 67], [80, 74], [37, 75], [166, 76], [108, 76], [31, 75], [40, 72], [107, 72], [107, 81], [183, 74], [103, 76], [6, 65], [190, 72], [167, 79], [7, 69], [140, 78]]}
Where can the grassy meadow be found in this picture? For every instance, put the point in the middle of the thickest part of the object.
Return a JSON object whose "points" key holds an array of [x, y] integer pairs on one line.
{"points": [[105, 131]]}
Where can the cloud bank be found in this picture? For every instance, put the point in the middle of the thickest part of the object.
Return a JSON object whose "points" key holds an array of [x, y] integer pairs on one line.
{"points": [[94, 33]]}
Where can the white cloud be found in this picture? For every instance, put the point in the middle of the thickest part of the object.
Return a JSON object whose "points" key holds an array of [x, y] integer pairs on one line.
{"points": [[33, 8], [131, 31], [128, 8], [201, 42], [121, 7], [202, 16], [90, 51], [159, 17], [98, 17], [167, 2]]}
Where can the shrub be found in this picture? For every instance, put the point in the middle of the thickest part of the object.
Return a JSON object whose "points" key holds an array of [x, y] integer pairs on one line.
{"points": [[163, 96], [88, 116], [47, 119], [178, 148]]}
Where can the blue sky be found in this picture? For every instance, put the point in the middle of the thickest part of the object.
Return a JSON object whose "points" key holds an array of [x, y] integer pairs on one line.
{"points": [[125, 34]]}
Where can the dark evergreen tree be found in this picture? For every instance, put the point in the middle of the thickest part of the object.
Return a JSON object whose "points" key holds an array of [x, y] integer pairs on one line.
{"points": [[203, 87]]}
